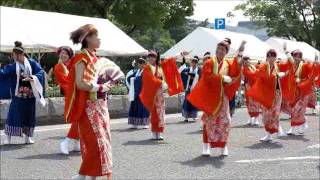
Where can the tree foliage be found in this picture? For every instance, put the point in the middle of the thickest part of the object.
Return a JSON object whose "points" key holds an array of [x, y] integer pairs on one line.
{"points": [[298, 19], [135, 17]]}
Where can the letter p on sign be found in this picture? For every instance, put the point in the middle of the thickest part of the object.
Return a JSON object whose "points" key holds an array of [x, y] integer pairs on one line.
{"points": [[219, 23]]}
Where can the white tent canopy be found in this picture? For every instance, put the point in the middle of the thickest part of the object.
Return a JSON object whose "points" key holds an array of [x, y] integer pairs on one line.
{"points": [[202, 40], [45, 31], [307, 50]]}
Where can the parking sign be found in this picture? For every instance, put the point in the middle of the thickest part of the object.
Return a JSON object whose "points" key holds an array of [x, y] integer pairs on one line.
{"points": [[219, 23]]}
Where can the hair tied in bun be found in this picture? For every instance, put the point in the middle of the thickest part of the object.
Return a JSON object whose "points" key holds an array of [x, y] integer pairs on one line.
{"points": [[18, 47]]}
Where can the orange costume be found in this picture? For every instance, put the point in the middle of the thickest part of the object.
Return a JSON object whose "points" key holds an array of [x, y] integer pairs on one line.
{"points": [[250, 78], [91, 113], [317, 77], [267, 91], [61, 72], [152, 92], [305, 74], [212, 96], [313, 96]]}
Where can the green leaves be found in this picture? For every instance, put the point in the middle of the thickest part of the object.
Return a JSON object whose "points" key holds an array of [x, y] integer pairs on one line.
{"points": [[135, 17], [286, 18]]}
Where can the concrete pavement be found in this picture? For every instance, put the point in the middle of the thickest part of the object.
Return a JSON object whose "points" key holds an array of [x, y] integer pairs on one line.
{"points": [[178, 157]]}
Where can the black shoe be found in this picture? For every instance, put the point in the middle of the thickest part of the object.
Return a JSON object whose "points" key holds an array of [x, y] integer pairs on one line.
{"points": [[186, 120]]}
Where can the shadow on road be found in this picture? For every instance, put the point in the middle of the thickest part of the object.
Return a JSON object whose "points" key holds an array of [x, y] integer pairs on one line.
{"points": [[311, 114], [246, 126], [195, 132], [265, 145], [144, 142], [12, 147], [199, 161], [55, 156], [56, 137], [180, 123], [126, 130], [284, 119], [295, 137]]}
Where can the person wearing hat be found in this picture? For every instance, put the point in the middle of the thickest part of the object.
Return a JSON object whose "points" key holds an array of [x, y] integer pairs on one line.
{"points": [[219, 82], [250, 78], [193, 73], [268, 90], [61, 71], [138, 114], [86, 104], [27, 85], [304, 76]]}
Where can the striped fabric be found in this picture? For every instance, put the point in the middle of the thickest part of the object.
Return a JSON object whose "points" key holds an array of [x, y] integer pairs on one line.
{"points": [[18, 131], [89, 72]]}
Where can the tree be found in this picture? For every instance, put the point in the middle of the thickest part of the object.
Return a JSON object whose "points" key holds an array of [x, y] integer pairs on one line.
{"points": [[158, 39], [160, 20], [298, 19], [132, 15]]}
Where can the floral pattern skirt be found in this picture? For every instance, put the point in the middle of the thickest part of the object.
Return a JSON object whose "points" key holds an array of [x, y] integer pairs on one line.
{"points": [[95, 139], [217, 127], [157, 113], [298, 111], [271, 116]]}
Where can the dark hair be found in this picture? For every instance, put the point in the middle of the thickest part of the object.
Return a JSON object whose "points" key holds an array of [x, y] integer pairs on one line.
{"points": [[207, 53], [228, 40], [224, 44], [195, 58], [246, 58], [67, 49], [18, 49], [79, 35], [152, 53], [296, 52], [141, 61], [272, 53]]}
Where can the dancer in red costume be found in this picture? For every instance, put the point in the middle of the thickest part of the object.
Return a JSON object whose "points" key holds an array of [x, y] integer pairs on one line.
{"points": [[61, 71], [86, 103], [219, 82]]}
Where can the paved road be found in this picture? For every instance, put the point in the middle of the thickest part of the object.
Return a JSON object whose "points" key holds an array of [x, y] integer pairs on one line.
{"points": [[178, 157]]}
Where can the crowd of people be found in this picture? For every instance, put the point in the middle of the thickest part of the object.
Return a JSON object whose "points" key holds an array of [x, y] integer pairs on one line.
{"points": [[271, 87]]}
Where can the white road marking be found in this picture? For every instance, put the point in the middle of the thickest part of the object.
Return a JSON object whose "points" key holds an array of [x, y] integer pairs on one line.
{"points": [[315, 146], [300, 162], [66, 126], [277, 159]]}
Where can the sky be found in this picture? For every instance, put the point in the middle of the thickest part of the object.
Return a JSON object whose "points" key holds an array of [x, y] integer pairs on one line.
{"points": [[212, 9]]}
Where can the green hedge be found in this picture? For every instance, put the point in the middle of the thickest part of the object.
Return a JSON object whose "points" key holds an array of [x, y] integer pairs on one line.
{"points": [[54, 91]]}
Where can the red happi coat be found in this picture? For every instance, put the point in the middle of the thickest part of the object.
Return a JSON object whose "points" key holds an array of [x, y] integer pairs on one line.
{"points": [[264, 88], [172, 76], [75, 99], [249, 74], [250, 78], [61, 72], [306, 72], [151, 94], [317, 75], [209, 92]]}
